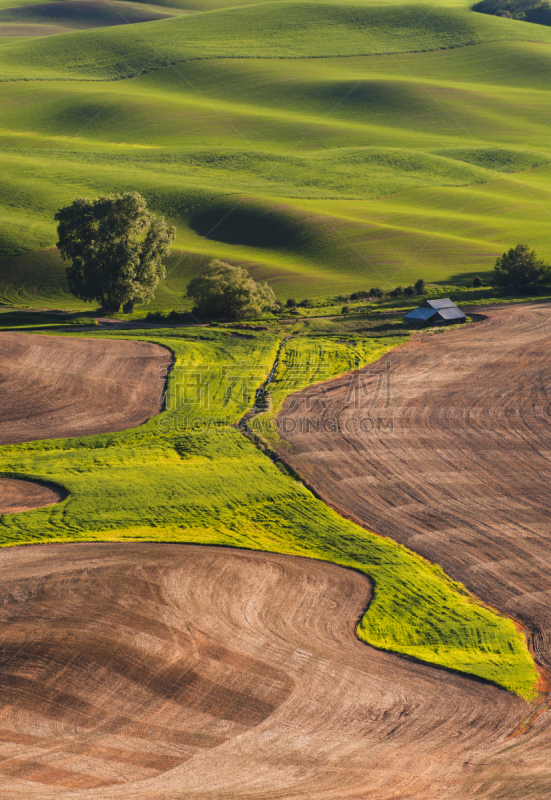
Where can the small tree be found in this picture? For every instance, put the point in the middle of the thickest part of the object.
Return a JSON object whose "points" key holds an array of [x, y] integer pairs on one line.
{"points": [[115, 247], [345, 310], [419, 286], [291, 303], [409, 291], [477, 282], [520, 271], [224, 291]]}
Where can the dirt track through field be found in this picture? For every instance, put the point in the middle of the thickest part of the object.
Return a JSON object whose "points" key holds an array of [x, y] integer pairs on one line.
{"points": [[464, 478], [54, 387], [174, 671]]}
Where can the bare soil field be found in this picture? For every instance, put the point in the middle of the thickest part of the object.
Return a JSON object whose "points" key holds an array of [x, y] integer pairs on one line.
{"points": [[463, 477], [56, 387], [59, 387], [178, 671], [17, 495]]}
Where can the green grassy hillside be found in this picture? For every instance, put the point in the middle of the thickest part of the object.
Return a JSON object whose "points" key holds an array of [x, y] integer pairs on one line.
{"points": [[61, 16], [327, 147], [268, 30]]}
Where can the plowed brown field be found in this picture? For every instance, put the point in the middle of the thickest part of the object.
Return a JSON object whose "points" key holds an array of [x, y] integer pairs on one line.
{"points": [[173, 671], [181, 672], [17, 495], [55, 387], [464, 478]]}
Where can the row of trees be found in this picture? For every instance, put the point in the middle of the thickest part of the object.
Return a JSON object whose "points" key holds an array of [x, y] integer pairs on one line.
{"points": [[116, 248], [375, 293], [538, 11]]}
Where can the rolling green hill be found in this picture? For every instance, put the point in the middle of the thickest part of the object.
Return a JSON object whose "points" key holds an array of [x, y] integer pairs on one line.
{"points": [[325, 146], [50, 19], [267, 30]]}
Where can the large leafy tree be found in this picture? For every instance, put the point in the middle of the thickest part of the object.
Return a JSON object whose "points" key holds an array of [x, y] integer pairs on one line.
{"points": [[520, 271], [224, 291], [116, 249]]}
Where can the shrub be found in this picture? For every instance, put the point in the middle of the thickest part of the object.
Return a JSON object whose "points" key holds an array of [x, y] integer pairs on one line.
{"points": [[228, 292], [154, 316]]}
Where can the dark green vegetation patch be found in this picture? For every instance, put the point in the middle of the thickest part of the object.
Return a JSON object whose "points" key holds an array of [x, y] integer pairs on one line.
{"points": [[536, 11]]}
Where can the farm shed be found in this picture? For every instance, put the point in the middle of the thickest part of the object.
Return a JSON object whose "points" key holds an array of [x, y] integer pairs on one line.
{"points": [[435, 312]]}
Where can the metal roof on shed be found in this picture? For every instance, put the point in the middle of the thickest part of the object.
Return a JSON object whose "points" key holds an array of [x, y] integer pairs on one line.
{"points": [[451, 313], [420, 313], [445, 302]]}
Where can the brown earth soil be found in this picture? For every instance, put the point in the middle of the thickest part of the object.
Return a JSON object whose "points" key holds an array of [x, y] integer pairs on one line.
{"points": [[17, 495], [174, 671], [464, 477], [55, 387], [166, 671]]}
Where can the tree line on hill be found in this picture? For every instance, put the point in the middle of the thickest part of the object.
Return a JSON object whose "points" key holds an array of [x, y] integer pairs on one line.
{"points": [[375, 293], [116, 248], [538, 11]]}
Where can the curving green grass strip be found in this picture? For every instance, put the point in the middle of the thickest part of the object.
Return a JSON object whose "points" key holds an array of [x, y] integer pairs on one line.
{"points": [[179, 481]]}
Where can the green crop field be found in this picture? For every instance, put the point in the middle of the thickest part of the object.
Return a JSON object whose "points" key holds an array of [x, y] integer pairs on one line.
{"points": [[188, 476], [327, 146]]}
